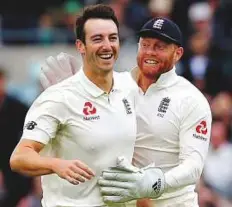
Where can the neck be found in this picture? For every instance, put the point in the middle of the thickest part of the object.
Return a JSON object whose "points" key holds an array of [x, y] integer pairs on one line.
{"points": [[144, 82], [104, 80]]}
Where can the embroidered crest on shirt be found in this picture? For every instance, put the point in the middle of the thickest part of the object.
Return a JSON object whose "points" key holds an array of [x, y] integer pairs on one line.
{"points": [[158, 24], [89, 111], [162, 109], [127, 106]]}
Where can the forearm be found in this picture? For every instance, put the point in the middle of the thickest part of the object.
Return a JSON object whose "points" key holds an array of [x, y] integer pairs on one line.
{"points": [[186, 173], [31, 163]]}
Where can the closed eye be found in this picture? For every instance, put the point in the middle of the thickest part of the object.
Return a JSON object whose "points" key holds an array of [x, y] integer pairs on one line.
{"points": [[97, 40], [114, 38]]}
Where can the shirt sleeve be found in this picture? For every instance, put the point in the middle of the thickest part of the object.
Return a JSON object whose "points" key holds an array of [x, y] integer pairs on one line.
{"points": [[194, 138], [45, 116]]}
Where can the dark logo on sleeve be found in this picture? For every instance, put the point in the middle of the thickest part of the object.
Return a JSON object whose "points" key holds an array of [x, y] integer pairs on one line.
{"points": [[157, 186], [162, 109], [127, 106], [30, 125]]}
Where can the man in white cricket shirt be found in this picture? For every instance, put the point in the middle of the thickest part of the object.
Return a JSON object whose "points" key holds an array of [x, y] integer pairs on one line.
{"points": [[78, 128], [174, 126]]}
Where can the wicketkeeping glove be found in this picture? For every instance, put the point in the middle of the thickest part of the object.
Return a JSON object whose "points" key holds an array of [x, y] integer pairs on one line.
{"points": [[125, 182], [56, 69]]}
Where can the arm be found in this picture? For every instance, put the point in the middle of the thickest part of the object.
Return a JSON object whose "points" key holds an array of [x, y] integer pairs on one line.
{"points": [[122, 185], [26, 159], [42, 122], [194, 138]]}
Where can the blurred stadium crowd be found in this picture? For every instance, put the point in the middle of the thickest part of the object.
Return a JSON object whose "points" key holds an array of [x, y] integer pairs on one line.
{"points": [[207, 62]]}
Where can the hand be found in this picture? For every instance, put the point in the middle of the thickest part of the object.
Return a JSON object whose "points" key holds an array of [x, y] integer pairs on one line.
{"points": [[56, 69], [144, 203], [74, 171], [126, 182]]}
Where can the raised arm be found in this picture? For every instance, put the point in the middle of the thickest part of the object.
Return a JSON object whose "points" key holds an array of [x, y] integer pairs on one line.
{"points": [[58, 68]]}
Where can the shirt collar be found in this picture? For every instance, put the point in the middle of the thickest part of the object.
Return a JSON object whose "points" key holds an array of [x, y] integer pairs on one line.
{"points": [[93, 89], [166, 79]]}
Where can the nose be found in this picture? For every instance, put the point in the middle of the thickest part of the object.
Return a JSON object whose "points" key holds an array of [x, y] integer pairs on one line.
{"points": [[152, 50], [106, 44]]}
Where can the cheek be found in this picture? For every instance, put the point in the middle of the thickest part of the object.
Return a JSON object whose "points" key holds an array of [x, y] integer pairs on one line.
{"points": [[168, 60], [163, 56], [139, 59], [116, 49], [90, 53]]}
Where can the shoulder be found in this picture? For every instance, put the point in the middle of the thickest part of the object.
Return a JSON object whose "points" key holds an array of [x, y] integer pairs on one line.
{"points": [[191, 96], [125, 82], [50, 102], [54, 95], [125, 79], [124, 76], [57, 92]]}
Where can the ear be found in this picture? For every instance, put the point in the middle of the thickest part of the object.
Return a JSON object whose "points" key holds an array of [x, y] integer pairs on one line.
{"points": [[178, 54], [80, 46]]}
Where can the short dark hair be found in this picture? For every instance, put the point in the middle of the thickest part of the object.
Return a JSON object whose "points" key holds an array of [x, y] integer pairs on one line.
{"points": [[99, 11]]}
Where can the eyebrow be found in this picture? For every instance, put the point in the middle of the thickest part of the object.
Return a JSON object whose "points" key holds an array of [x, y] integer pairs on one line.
{"points": [[94, 36], [114, 34], [100, 35]]}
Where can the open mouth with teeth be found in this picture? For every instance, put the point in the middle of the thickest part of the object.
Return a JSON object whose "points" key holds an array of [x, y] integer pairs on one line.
{"points": [[150, 62], [106, 56]]}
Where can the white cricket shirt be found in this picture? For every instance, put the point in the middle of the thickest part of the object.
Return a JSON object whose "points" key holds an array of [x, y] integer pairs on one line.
{"points": [[174, 124], [77, 120]]}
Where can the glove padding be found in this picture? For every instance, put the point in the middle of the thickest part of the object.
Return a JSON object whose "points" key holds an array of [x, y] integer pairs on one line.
{"points": [[125, 182], [56, 69]]}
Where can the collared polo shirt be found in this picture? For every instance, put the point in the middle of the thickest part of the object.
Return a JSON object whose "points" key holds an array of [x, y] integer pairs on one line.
{"points": [[77, 120], [174, 124]]}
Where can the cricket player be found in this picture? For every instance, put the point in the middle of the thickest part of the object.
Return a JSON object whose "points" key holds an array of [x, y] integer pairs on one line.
{"points": [[78, 128], [173, 126]]}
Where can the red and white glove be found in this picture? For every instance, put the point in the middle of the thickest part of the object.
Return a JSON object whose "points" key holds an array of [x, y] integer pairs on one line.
{"points": [[56, 69]]}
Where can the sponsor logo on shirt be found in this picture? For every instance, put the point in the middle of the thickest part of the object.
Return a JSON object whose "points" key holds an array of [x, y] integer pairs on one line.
{"points": [[30, 125], [127, 106], [201, 130], [89, 111], [162, 109], [199, 137]]}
